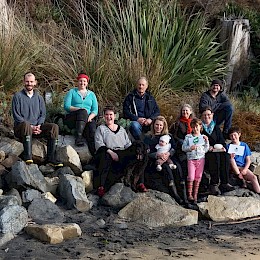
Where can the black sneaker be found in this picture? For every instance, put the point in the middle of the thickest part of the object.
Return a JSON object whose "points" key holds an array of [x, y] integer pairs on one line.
{"points": [[214, 190]]}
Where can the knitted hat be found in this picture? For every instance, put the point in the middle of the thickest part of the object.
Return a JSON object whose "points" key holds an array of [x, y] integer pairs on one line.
{"points": [[82, 75], [165, 138], [217, 81]]}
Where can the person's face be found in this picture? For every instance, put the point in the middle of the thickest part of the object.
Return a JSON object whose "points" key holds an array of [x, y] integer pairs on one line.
{"points": [[141, 86], [215, 88], [109, 117], [234, 137], [196, 129], [186, 112], [207, 117], [29, 82], [158, 127], [162, 143], [82, 83]]}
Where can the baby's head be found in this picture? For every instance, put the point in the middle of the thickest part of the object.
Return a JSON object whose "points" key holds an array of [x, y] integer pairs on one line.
{"points": [[164, 140]]}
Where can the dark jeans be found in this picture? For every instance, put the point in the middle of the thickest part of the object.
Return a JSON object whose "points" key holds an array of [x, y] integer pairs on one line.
{"points": [[225, 115], [217, 165], [49, 130], [90, 128]]}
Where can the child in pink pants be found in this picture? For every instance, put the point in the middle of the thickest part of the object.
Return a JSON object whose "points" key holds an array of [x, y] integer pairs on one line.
{"points": [[195, 145]]}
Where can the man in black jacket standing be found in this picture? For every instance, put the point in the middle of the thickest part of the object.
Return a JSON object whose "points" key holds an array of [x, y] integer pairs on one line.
{"points": [[141, 108], [29, 114], [219, 103]]}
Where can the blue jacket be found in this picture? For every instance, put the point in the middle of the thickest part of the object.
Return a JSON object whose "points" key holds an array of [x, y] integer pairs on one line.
{"points": [[151, 109], [73, 98]]}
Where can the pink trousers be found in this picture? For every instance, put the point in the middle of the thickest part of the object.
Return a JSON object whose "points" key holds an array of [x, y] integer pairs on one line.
{"points": [[195, 169]]}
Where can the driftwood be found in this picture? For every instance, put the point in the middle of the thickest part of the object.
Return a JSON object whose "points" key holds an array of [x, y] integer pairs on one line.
{"points": [[233, 222]]}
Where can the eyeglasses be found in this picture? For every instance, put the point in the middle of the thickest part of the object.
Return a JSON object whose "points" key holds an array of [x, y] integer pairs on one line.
{"points": [[207, 114]]}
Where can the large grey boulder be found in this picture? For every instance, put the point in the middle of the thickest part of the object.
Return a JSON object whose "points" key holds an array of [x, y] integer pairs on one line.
{"points": [[118, 196], [10, 160], [224, 208], [43, 211], [9, 200], [11, 146], [156, 213], [69, 157], [72, 191], [15, 193], [82, 151], [30, 194], [23, 175], [38, 151], [13, 219]]}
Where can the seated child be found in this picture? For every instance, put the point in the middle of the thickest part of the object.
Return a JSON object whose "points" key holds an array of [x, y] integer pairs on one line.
{"points": [[195, 145], [163, 147], [240, 163]]}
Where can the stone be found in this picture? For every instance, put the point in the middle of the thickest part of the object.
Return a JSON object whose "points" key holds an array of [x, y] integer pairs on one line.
{"points": [[94, 199], [1, 192], [87, 177], [54, 233], [82, 151], [70, 158], [255, 158], [30, 194], [4, 238], [43, 211], [64, 170], [10, 160], [242, 192], [53, 184], [15, 193], [3, 170], [118, 196], [38, 151], [49, 196], [226, 208], [8, 200], [13, 219], [2, 155], [11, 146], [72, 191], [156, 213], [46, 169], [23, 175]]}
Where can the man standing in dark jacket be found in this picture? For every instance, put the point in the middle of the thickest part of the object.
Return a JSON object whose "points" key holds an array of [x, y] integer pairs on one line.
{"points": [[141, 108], [29, 114], [220, 104]]}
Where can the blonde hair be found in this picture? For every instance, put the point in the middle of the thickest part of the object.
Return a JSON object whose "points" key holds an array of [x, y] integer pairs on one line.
{"points": [[192, 115], [165, 130]]}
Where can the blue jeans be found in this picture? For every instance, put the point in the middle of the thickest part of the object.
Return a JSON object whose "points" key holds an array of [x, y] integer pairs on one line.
{"points": [[224, 115], [135, 130]]}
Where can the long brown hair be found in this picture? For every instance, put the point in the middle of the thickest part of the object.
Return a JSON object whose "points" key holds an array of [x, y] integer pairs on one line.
{"points": [[165, 130]]}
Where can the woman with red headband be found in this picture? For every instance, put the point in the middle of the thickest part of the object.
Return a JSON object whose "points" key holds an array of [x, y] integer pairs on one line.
{"points": [[82, 107]]}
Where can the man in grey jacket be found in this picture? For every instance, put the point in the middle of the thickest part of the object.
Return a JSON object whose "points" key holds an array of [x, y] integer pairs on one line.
{"points": [[220, 104], [29, 114]]}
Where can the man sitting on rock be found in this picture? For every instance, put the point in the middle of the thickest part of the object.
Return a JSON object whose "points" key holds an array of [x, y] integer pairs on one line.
{"points": [[29, 114], [220, 104], [141, 108]]}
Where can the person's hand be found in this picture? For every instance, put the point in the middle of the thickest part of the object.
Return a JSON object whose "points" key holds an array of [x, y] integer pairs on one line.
{"points": [[165, 156], [243, 171], [141, 120], [36, 129], [211, 148], [90, 117], [223, 149], [113, 155], [193, 147], [232, 155], [148, 121], [205, 138]]}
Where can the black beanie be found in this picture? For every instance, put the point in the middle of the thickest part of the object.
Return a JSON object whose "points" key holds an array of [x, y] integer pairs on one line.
{"points": [[217, 81]]}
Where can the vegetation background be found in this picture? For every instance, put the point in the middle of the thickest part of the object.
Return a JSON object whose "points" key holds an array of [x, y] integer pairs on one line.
{"points": [[173, 43]]}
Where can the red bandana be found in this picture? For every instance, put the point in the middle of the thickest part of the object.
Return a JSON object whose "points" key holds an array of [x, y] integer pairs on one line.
{"points": [[80, 76], [187, 122]]}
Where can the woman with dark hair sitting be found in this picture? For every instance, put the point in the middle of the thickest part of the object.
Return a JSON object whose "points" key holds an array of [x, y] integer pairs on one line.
{"points": [[110, 140]]}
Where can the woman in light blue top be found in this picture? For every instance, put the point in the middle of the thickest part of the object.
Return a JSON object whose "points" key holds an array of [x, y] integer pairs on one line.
{"points": [[82, 107]]}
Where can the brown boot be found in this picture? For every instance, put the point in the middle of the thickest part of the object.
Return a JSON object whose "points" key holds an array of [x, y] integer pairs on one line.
{"points": [[189, 190], [196, 186]]}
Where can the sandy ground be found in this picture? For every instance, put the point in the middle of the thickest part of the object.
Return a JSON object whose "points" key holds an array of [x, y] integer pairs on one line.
{"points": [[119, 240]]}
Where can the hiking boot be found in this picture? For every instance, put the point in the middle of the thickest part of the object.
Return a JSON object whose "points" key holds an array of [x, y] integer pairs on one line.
{"points": [[226, 187], [214, 190], [79, 141], [141, 187], [101, 191]]}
